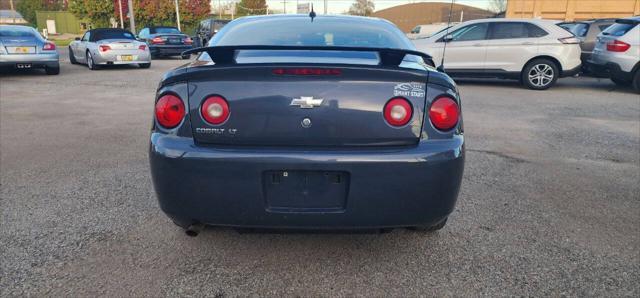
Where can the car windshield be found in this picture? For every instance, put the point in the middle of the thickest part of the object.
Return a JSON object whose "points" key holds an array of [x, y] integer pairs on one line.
{"points": [[578, 29], [112, 34], [16, 32], [166, 30], [619, 28]]}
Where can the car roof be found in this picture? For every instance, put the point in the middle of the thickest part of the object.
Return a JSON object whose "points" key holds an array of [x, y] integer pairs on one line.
{"points": [[371, 20], [534, 21]]}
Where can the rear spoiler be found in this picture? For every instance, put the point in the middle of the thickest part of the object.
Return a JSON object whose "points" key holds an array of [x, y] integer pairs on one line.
{"points": [[226, 55]]}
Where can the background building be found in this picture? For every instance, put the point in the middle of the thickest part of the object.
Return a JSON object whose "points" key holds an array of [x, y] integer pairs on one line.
{"points": [[11, 17], [410, 15], [571, 10]]}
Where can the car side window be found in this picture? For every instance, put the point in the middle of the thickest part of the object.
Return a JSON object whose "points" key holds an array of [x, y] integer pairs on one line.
{"points": [[471, 32], [535, 31], [144, 33], [86, 36], [508, 30], [603, 27]]}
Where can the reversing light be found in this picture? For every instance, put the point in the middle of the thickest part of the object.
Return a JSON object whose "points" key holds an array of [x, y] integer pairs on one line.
{"points": [[618, 46], [398, 111], [169, 110], [444, 113], [49, 46], [215, 110], [104, 48]]}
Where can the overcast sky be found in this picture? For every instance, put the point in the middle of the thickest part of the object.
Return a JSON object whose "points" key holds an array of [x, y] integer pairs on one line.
{"points": [[339, 6]]}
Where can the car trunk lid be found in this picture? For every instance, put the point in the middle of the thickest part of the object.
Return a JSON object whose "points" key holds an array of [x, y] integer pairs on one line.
{"points": [[20, 45], [344, 106]]}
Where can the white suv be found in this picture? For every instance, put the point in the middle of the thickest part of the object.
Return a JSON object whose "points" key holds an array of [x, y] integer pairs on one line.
{"points": [[536, 52], [617, 53]]}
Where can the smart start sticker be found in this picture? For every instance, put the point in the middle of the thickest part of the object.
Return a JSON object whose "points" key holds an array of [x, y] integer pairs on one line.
{"points": [[411, 89]]}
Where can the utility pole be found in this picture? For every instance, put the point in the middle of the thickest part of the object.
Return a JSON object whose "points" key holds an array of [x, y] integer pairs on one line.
{"points": [[284, 2], [121, 17], [132, 16], [326, 6], [178, 15], [219, 9], [13, 13]]}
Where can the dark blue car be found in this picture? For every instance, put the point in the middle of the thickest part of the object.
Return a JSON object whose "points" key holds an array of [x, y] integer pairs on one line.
{"points": [[332, 122]]}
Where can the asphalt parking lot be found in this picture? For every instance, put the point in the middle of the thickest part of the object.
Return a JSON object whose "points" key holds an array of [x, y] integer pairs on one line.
{"points": [[549, 206]]}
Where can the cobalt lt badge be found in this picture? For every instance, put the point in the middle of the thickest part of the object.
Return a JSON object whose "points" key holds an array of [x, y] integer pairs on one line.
{"points": [[306, 123]]}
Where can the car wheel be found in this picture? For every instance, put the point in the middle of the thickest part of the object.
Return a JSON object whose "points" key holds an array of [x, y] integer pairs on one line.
{"points": [[636, 81], [186, 56], [621, 82], [90, 63], [431, 228], [72, 58], [52, 70], [144, 65], [540, 74]]}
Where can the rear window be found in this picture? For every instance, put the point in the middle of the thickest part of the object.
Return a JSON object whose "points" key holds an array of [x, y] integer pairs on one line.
{"points": [[16, 32], [166, 30], [578, 29], [619, 29], [320, 32], [111, 34]]}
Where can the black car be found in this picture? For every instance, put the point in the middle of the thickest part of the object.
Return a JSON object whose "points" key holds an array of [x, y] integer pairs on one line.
{"points": [[166, 41], [207, 29], [587, 32], [332, 122]]}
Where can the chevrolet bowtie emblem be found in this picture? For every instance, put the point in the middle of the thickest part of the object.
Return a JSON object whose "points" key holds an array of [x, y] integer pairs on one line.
{"points": [[307, 102]]}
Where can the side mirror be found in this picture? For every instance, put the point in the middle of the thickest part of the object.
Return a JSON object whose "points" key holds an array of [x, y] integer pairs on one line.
{"points": [[448, 38], [77, 38]]}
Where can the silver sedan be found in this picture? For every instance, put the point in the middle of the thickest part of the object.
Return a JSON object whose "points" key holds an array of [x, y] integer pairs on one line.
{"points": [[22, 47], [109, 47]]}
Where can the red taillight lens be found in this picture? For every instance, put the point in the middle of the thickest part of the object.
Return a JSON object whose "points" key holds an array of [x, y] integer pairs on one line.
{"points": [[157, 40], [307, 71], [215, 110], [187, 40], [169, 110], [618, 46], [49, 46], [142, 47], [444, 113], [398, 111], [104, 48]]}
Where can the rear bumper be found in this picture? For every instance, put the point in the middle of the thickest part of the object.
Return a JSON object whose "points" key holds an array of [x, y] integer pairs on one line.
{"points": [[111, 57], [387, 187], [609, 69], [35, 60], [168, 50]]}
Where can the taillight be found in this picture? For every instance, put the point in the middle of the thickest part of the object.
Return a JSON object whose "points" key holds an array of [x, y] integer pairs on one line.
{"points": [[142, 47], [157, 40], [307, 71], [569, 40], [187, 40], [398, 111], [104, 48], [444, 113], [215, 110], [618, 46], [169, 110], [49, 46]]}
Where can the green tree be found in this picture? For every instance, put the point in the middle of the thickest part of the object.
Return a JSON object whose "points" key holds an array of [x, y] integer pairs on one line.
{"points": [[98, 12], [163, 12], [362, 8], [251, 7]]}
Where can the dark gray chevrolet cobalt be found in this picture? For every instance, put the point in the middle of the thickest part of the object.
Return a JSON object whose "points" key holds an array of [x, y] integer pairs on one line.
{"points": [[307, 122]]}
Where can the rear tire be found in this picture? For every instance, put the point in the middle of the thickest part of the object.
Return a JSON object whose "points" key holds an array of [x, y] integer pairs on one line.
{"points": [[144, 65], [90, 62], [540, 74], [72, 57], [431, 228], [636, 81], [52, 70]]}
